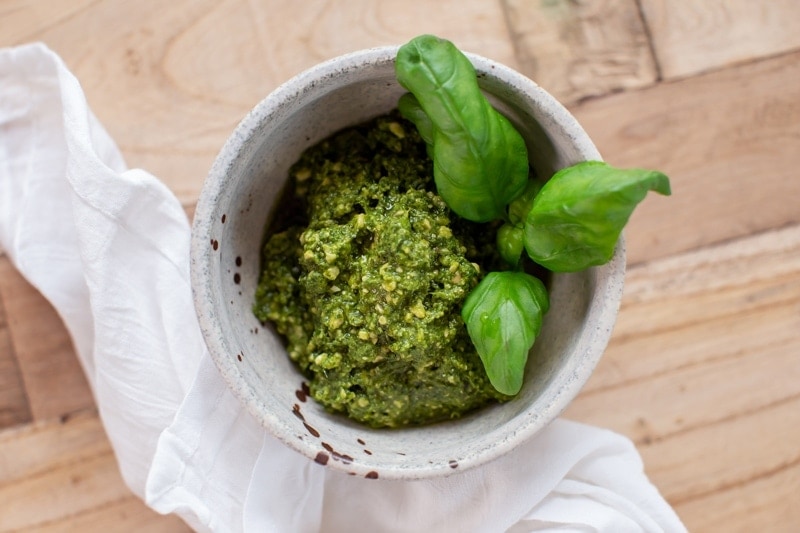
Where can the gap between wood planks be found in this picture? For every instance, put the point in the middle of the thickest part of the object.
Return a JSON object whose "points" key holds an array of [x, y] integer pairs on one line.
{"points": [[718, 458], [705, 307], [62, 475]]}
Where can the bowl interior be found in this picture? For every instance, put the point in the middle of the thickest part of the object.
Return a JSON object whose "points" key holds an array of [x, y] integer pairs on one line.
{"points": [[236, 204]]}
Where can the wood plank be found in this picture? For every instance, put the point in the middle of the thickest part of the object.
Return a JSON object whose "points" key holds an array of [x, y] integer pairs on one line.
{"points": [[22, 15], [763, 504], [728, 141], [732, 453], [137, 78], [157, 86], [61, 475], [736, 333], [728, 385], [581, 49], [53, 378], [647, 356], [122, 516], [722, 302], [14, 408], [703, 374], [35, 449], [57, 494], [690, 36]]}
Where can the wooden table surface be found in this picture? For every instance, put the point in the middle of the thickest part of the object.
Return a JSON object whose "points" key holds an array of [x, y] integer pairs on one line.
{"points": [[703, 370]]}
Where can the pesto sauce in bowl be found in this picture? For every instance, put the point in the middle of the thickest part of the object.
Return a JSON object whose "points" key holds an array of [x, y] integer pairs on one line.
{"points": [[366, 284]]}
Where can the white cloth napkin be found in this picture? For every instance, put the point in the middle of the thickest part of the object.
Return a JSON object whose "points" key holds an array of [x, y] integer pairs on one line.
{"points": [[109, 248]]}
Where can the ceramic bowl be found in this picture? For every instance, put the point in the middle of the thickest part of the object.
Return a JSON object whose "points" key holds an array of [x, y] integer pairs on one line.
{"points": [[236, 202]]}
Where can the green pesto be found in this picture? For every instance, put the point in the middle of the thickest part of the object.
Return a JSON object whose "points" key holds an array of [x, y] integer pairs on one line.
{"points": [[367, 288]]}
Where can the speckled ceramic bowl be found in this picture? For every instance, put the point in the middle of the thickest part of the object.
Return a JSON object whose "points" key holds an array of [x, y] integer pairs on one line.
{"points": [[236, 203]]}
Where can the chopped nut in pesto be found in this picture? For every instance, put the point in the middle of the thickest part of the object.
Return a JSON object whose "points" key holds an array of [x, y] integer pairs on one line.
{"points": [[367, 286]]}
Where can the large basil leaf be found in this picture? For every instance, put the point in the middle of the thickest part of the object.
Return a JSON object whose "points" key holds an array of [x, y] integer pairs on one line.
{"points": [[578, 215], [480, 160], [503, 315]]}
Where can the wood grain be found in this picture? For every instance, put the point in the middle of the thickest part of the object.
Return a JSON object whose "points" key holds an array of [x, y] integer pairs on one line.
{"points": [[728, 141], [763, 505], [62, 476], [174, 81], [726, 455], [691, 36], [14, 409], [123, 516], [50, 371], [582, 49], [703, 373], [726, 301], [33, 450]]}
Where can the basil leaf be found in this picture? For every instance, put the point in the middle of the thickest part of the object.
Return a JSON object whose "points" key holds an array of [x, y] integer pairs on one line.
{"points": [[578, 215], [503, 315], [480, 160]]}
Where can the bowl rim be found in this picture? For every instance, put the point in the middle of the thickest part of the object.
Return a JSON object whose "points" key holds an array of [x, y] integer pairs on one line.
{"points": [[610, 285]]}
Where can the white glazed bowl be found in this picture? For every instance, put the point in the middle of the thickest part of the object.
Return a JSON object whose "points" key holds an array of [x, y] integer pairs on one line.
{"points": [[235, 205]]}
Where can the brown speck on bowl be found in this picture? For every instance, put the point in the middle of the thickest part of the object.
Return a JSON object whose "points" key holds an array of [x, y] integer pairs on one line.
{"points": [[321, 458]]}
